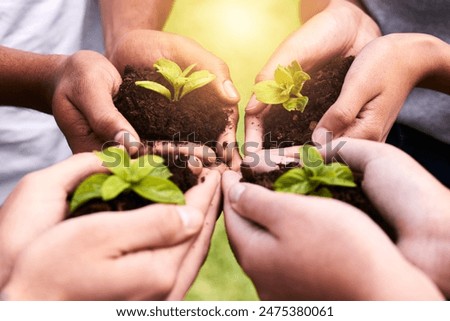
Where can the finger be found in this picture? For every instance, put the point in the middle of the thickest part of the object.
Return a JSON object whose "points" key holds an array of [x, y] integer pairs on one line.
{"points": [[254, 132], [270, 159], [227, 147], [149, 227], [355, 94], [237, 195], [67, 175], [202, 152], [254, 106], [96, 103], [200, 196], [198, 250]]}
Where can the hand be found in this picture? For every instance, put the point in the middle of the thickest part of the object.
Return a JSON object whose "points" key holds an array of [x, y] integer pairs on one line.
{"points": [[145, 47], [341, 29], [307, 248], [83, 106], [107, 256], [395, 64], [410, 199], [46, 191]]}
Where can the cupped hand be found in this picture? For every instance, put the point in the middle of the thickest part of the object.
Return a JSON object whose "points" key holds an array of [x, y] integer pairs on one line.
{"points": [[341, 29], [83, 107], [409, 198], [40, 202], [307, 248], [107, 256], [377, 85], [144, 47]]}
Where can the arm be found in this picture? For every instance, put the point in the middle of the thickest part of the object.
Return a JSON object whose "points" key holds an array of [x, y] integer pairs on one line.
{"points": [[76, 89], [27, 78], [120, 17]]}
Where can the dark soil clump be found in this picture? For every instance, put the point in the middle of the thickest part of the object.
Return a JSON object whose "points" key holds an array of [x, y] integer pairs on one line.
{"points": [[284, 128], [197, 117], [353, 196], [182, 177]]}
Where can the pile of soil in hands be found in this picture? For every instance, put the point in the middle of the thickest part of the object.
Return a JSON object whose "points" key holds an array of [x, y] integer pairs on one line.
{"points": [[182, 176], [197, 117], [353, 196], [284, 128]]}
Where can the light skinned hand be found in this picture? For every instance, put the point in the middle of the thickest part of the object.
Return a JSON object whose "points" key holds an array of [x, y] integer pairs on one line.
{"points": [[409, 198], [39, 203], [84, 86], [340, 29], [107, 256], [368, 109], [142, 48], [308, 248]]}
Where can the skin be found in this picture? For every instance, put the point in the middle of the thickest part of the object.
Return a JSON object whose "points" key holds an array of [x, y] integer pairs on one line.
{"points": [[53, 83], [160, 257], [364, 109], [132, 37], [315, 233]]}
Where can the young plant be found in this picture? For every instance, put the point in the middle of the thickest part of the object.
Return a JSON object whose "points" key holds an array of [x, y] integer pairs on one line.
{"points": [[147, 176], [181, 81], [314, 176], [285, 88]]}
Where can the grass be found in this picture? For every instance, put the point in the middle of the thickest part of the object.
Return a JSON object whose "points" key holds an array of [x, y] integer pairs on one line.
{"points": [[244, 34]]}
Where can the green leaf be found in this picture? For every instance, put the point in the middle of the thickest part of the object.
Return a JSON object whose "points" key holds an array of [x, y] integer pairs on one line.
{"points": [[168, 69], [283, 76], [336, 174], [117, 161], [294, 67], [295, 181], [322, 192], [298, 104], [310, 156], [159, 190], [151, 85], [89, 189], [270, 92], [149, 165], [188, 70], [112, 187], [300, 78], [197, 80]]}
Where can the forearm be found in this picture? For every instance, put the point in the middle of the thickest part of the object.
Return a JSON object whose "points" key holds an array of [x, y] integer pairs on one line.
{"points": [[309, 8], [27, 79], [437, 57], [119, 17]]}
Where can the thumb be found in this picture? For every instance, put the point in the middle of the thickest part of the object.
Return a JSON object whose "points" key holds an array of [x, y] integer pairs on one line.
{"points": [[107, 122], [153, 226]]}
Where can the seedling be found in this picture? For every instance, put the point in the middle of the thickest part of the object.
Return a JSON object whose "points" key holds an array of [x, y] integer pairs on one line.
{"points": [[314, 176], [181, 81], [285, 89], [147, 176]]}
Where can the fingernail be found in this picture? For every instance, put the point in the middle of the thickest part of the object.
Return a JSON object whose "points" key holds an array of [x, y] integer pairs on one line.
{"points": [[320, 135], [129, 141], [230, 89], [235, 192], [190, 217], [252, 103]]}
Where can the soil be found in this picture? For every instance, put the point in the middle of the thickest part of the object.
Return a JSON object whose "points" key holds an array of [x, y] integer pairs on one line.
{"points": [[197, 117], [182, 177], [353, 196], [284, 128]]}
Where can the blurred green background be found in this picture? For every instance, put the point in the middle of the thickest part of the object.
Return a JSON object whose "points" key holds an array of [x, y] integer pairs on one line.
{"points": [[243, 33]]}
